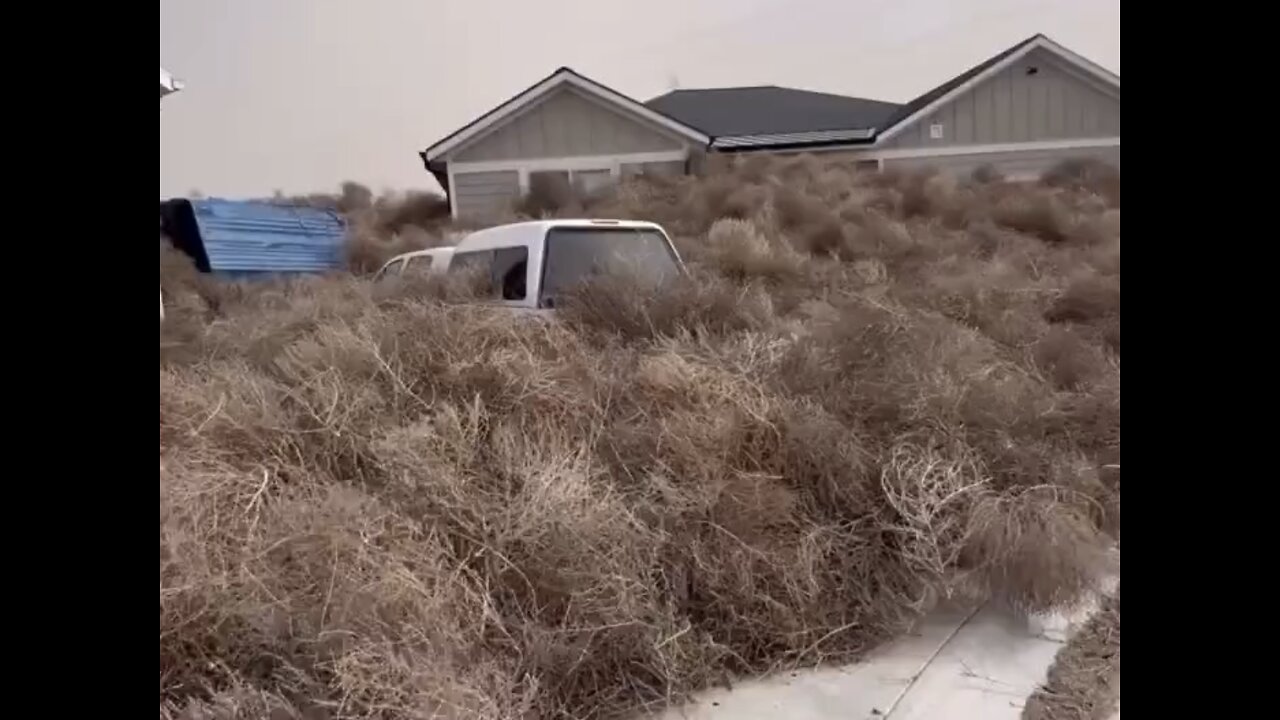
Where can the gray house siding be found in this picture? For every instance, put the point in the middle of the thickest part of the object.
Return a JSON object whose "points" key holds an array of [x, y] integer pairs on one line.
{"points": [[1019, 164], [485, 194], [665, 169], [567, 124], [1053, 103]]}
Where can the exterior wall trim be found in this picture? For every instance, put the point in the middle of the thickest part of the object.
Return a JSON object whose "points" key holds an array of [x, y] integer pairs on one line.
{"points": [[872, 154], [1044, 43], [452, 192]]}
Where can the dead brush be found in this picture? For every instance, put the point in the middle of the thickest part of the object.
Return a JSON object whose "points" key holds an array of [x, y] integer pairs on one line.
{"points": [[1089, 297], [369, 247], [741, 251], [1038, 547], [1068, 359], [393, 502], [1040, 215], [932, 485], [1091, 175], [815, 227], [699, 302], [656, 198], [548, 195]]}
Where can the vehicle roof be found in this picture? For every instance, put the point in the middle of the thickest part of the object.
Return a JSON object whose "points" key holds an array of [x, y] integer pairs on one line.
{"points": [[514, 232], [417, 253], [420, 253]]}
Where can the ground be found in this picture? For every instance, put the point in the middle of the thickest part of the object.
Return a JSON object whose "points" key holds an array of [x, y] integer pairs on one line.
{"points": [[1085, 680]]}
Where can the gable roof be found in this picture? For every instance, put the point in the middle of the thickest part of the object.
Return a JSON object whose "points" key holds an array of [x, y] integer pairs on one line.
{"points": [[562, 77], [770, 109], [940, 95]]}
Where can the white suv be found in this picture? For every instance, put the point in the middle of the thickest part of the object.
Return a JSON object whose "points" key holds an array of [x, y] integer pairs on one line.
{"points": [[529, 264]]}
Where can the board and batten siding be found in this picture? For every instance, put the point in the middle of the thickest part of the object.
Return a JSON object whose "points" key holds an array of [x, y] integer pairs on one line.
{"points": [[567, 124], [1015, 165], [1051, 103], [485, 194]]}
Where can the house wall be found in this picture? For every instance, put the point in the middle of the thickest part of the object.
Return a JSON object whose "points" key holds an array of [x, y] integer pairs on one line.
{"points": [[567, 124], [1054, 103], [1015, 164]]}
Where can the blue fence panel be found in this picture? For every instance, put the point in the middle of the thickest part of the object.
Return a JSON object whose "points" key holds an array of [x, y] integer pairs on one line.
{"points": [[246, 238]]}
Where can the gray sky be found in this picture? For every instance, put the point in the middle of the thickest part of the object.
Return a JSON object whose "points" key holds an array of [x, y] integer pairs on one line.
{"points": [[300, 95]]}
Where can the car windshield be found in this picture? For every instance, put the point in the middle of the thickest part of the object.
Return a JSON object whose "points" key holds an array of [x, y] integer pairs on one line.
{"points": [[575, 254]]}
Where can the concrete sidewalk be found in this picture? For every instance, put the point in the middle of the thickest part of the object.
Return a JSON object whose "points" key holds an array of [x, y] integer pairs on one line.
{"points": [[958, 664], [981, 664]]}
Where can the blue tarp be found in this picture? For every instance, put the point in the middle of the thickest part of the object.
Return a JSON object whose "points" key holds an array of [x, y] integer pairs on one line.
{"points": [[232, 237]]}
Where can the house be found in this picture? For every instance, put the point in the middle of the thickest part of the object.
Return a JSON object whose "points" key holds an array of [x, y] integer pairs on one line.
{"points": [[1020, 111]]}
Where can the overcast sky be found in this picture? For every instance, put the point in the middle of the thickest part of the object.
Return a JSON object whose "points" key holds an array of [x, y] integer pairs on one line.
{"points": [[299, 95]]}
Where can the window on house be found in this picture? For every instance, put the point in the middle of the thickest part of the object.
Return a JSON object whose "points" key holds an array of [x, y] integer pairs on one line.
{"points": [[590, 182], [936, 131], [548, 191], [499, 273], [667, 168], [549, 180], [558, 186]]}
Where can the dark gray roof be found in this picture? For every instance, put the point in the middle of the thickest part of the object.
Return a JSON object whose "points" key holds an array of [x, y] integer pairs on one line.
{"points": [[770, 110], [771, 116]]}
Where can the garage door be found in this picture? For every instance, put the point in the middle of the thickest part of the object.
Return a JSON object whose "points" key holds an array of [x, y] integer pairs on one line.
{"points": [[485, 194]]}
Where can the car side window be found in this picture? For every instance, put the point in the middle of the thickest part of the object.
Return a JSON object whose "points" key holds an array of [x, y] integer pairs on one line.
{"points": [[510, 269], [390, 270], [470, 261], [499, 273], [476, 267], [418, 265]]}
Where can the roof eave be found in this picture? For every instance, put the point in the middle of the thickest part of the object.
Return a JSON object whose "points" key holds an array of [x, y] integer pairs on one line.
{"points": [[828, 145], [438, 170], [562, 76]]}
